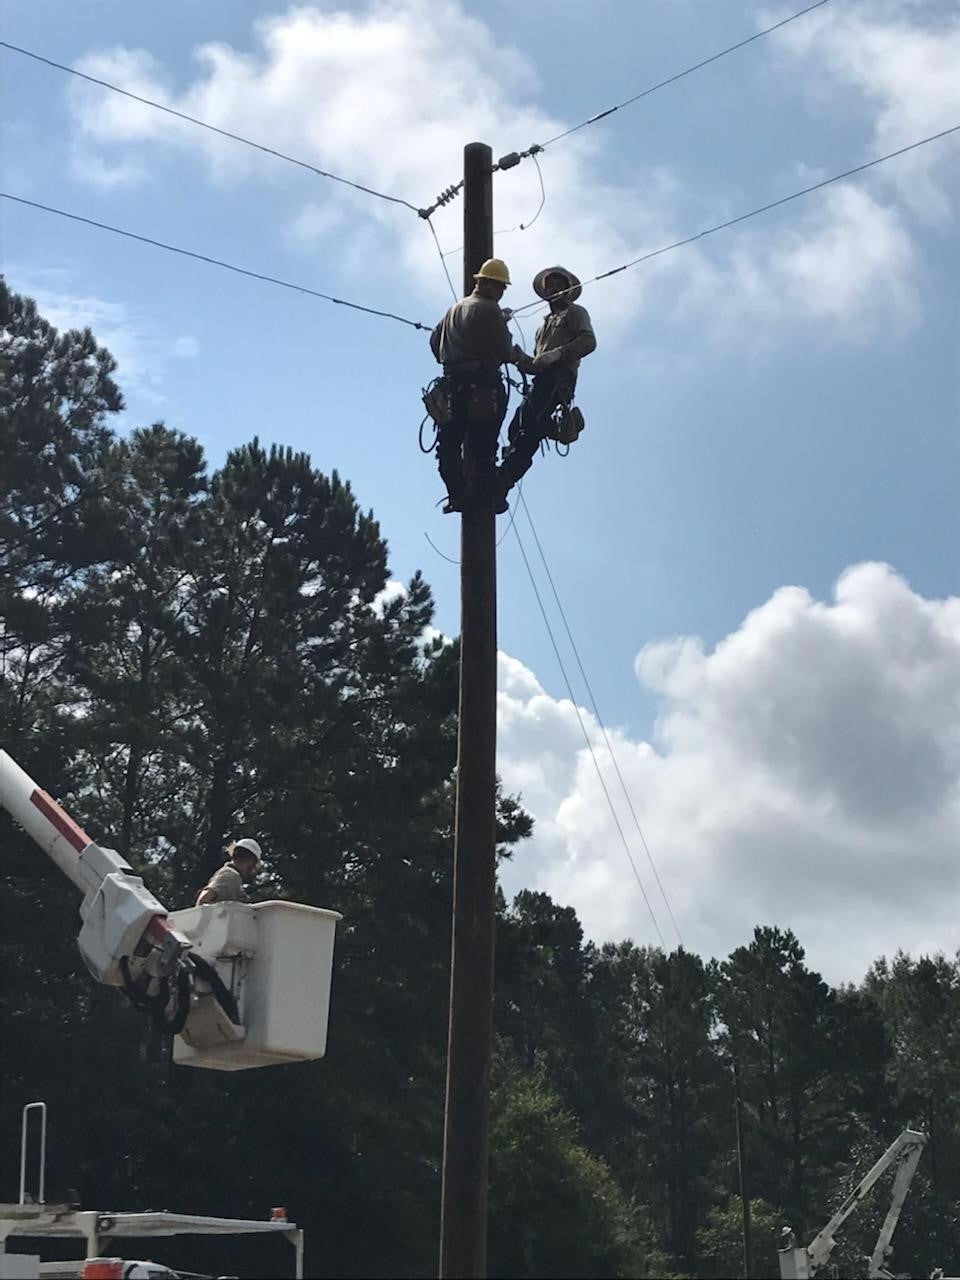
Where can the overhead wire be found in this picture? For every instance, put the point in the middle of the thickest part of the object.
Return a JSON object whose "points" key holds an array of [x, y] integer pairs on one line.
{"points": [[513, 158], [203, 124], [215, 262], [443, 199], [773, 204], [697, 66], [521, 226], [586, 738], [258, 146], [513, 517], [501, 539], [599, 719]]}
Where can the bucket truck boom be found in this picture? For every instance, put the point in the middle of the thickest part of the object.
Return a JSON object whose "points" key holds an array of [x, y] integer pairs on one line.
{"points": [[237, 985], [126, 939], [799, 1263]]}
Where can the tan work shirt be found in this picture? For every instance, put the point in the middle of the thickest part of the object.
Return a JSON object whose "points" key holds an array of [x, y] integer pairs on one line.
{"points": [[226, 885], [472, 332], [568, 330]]}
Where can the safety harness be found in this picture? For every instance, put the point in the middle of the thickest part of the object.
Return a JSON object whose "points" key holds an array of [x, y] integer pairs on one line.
{"points": [[563, 425]]}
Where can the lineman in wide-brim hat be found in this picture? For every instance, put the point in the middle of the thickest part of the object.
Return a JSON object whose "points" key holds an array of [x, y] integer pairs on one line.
{"points": [[571, 290], [564, 338]]}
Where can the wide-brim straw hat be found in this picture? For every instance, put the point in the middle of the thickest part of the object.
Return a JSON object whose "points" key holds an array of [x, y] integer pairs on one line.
{"points": [[573, 284]]}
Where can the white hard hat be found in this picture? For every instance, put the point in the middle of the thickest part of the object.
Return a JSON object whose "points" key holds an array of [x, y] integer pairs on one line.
{"points": [[249, 845]]}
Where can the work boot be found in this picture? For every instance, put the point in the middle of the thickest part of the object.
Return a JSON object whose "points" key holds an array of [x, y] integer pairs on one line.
{"points": [[489, 494], [505, 478]]}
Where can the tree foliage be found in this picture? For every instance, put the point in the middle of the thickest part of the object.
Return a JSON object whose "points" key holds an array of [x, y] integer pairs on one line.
{"points": [[188, 653]]}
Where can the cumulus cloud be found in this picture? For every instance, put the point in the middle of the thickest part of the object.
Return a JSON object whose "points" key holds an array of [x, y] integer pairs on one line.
{"points": [[896, 63], [377, 94], [186, 347], [850, 260], [805, 772], [141, 347]]}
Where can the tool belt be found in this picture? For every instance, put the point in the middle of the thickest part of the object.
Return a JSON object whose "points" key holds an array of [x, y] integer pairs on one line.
{"points": [[484, 404], [480, 388]]}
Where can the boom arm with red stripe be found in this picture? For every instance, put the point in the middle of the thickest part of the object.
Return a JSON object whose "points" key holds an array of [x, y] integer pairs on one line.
{"points": [[126, 940]]}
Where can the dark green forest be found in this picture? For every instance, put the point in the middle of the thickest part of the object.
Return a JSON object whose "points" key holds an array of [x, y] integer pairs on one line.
{"points": [[190, 652]]}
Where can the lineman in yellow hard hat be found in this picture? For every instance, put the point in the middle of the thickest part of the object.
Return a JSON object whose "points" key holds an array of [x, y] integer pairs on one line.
{"points": [[472, 341]]}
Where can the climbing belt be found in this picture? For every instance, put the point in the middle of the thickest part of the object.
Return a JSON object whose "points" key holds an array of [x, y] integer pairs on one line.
{"points": [[563, 426]]}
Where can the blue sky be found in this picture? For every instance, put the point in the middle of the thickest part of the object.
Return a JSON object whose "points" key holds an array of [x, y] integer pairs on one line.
{"points": [[767, 409]]}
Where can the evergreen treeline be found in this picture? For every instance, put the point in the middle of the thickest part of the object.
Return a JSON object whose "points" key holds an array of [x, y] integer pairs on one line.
{"points": [[187, 653]]}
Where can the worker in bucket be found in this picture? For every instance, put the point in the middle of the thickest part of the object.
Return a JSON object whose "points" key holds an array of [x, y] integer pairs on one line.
{"points": [[472, 341], [561, 342], [226, 884]]}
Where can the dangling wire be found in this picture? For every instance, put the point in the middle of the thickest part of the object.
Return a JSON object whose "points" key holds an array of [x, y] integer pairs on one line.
{"points": [[448, 559], [513, 512], [443, 261], [521, 226], [543, 198], [436, 435]]}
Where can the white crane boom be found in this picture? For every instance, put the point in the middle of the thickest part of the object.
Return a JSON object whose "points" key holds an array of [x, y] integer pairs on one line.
{"points": [[238, 985], [126, 940], [799, 1263]]}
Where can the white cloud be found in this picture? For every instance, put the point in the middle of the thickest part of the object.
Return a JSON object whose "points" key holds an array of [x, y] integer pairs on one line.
{"points": [[186, 347], [378, 94], [898, 65], [316, 222], [138, 344], [805, 773], [849, 260], [390, 592]]}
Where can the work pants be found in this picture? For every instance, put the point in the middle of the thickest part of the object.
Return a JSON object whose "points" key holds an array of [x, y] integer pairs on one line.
{"points": [[529, 425], [467, 444]]}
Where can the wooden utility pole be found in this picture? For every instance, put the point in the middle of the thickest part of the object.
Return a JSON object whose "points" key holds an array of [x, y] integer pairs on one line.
{"points": [[742, 1173], [463, 1214]]}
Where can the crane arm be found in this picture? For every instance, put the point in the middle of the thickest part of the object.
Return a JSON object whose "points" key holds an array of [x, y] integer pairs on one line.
{"points": [[905, 1148], [126, 939], [901, 1185]]}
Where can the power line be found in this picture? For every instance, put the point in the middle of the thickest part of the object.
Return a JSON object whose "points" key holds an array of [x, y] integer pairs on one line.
{"points": [[774, 204], [602, 115], [216, 262], [514, 157], [603, 728], [586, 738], [521, 226], [258, 146], [203, 124]]}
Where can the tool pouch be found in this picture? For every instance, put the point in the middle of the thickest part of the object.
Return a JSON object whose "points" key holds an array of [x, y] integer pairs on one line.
{"points": [[437, 400], [565, 424]]}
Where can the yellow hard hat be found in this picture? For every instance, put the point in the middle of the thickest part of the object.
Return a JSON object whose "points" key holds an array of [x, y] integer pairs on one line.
{"points": [[494, 269]]}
